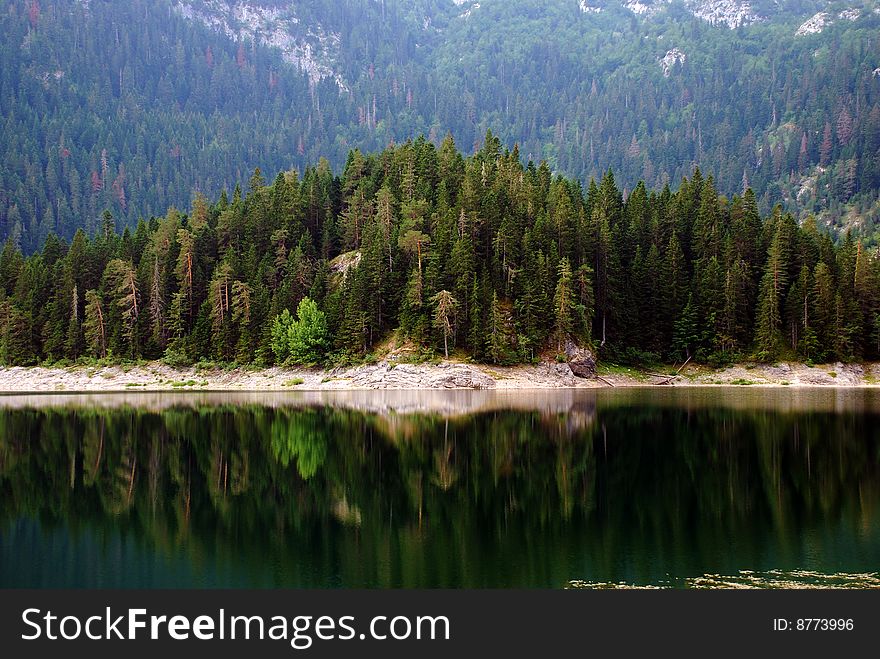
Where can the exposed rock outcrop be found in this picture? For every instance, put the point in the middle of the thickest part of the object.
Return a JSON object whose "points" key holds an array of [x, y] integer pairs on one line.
{"points": [[558, 372], [670, 60], [731, 13], [581, 361], [414, 376], [308, 47], [814, 25], [587, 8]]}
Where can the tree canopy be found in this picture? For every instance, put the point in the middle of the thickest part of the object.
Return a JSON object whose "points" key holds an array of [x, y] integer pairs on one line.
{"points": [[486, 255], [130, 106]]}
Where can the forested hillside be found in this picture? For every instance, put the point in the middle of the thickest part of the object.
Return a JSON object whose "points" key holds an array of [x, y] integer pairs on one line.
{"points": [[481, 257], [132, 106]]}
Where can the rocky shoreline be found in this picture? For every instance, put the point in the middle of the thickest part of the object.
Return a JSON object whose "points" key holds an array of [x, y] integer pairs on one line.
{"points": [[156, 376]]}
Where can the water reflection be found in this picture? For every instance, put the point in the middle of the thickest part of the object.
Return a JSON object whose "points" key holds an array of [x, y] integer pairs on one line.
{"points": [[437, 489], [457, 402]]}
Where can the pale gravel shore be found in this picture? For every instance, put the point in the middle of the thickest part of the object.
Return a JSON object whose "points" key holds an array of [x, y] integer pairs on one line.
{"points": [[156, 376], [789, 374]]}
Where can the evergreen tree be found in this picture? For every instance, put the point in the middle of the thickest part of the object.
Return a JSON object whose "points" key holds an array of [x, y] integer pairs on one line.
{"points": [[122, 281], [771, 297], [444, 313], [687, 330], [564, 305], [503, 260], [498, 340], [94, 325], [74, 326]]}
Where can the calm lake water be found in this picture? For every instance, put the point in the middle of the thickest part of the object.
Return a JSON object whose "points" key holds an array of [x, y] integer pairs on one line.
{"points": [[666, 486]]}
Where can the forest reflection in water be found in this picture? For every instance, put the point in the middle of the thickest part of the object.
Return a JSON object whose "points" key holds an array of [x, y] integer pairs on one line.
{"points": [[439, 489]]}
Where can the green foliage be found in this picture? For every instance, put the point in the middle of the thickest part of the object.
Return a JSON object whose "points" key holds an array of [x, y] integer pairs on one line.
{"points": [[640, 358], [298, 437], [796, 118], [95, 325], [499, 348], [282, 325], [308, 335], [444, 314], [687, 331], [300, 340], [484, 255], [563, 305], [224, 466], [176, 357], [771, 294]]}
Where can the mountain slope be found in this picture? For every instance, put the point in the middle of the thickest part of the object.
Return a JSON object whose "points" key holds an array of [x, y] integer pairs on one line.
{"points": [[133, 106]]}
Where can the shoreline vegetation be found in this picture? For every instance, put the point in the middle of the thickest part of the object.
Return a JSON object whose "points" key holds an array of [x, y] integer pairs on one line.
{"points": [[419, 251], [455, 375]]}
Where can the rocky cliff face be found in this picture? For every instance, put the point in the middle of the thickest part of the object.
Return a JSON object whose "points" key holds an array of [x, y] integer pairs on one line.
{"points": [[814, 24], [670, 60], [314, 48], [730, 13], [310, 48]]}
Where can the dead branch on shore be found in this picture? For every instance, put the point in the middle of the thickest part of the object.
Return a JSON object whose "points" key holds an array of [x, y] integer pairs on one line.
{"points": [[667, 378]]}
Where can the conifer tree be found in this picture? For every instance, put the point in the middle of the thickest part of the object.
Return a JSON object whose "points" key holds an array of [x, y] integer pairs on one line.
{"points": [[185, 269], [771, 297], [563, 305], [94, 324], [241, 316], [220, 301], [497, 345], [444, 313], [674, 287], [476, 327], [504, 260], [686, 334], [123, 283], [74, 326], [157, 305], [583, 282]]}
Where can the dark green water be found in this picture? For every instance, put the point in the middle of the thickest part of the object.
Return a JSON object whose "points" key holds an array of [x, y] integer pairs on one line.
{"points": [[668, 487]]}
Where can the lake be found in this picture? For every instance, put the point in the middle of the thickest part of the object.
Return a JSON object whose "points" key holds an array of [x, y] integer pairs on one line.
{"points": [[664, 486]]}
